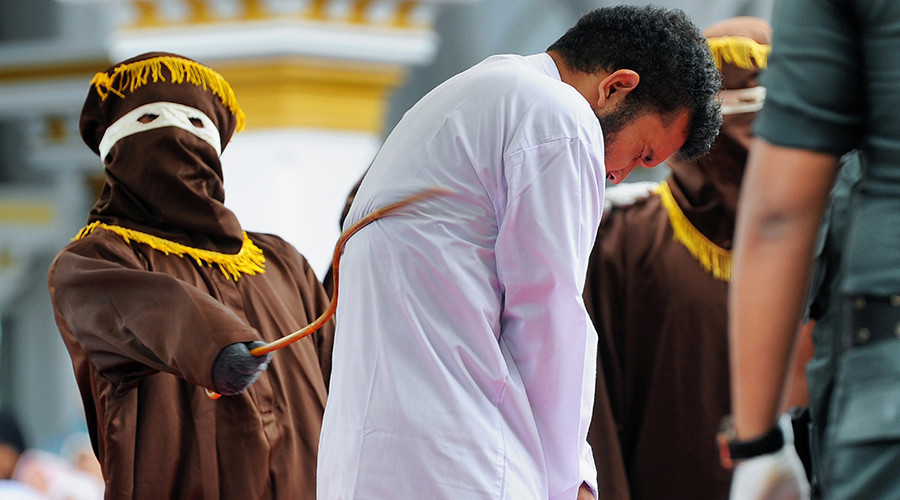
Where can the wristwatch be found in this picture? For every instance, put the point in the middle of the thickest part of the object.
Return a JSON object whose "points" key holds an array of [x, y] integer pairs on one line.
{"points": [[731, 450]]}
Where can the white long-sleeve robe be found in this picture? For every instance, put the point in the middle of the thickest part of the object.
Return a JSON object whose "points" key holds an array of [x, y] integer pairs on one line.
{"points": [[464, 360]]}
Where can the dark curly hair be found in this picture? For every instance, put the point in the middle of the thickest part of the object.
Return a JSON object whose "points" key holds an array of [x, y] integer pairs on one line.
{"points": [[666, 49]]}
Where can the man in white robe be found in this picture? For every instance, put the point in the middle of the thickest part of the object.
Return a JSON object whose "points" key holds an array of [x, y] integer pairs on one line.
{"points": [[464, 360]]}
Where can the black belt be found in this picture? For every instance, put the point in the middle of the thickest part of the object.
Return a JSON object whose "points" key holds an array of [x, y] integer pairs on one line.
{"points": [[873, 318]]}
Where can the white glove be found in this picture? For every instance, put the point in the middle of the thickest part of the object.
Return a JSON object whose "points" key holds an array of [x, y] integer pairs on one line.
{"points": [[627, 193], [774, 476]]}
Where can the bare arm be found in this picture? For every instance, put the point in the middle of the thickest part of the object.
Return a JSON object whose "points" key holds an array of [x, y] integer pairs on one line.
{"points": [[797, 390], [784, 194]]}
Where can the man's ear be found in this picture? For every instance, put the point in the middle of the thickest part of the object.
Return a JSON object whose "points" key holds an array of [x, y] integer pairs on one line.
{"points": [[616, 85]]}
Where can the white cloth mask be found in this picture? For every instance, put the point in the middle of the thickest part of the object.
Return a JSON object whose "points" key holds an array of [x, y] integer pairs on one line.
{"points": [[168, 114], [742, 100]]}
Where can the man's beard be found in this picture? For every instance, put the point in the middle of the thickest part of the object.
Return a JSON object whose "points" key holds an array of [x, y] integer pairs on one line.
{"points": [[612, 122]]}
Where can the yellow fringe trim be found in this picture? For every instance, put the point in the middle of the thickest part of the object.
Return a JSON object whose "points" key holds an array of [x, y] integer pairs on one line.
{"points": [[714, 259], [249, 260], [130, 77], [740, 51]]}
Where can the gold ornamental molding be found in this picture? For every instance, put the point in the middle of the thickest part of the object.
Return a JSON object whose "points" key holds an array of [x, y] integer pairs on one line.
{"points": [[15, 212], [395, 13], [27, 71], [328, 64], [301, 92]]}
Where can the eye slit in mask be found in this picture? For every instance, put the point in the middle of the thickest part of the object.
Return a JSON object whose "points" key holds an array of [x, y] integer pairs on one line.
{"points": [[147, 118], [196, 122]]}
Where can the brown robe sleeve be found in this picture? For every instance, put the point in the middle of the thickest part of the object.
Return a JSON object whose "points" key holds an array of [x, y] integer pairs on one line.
{"points": [[131, 322]]}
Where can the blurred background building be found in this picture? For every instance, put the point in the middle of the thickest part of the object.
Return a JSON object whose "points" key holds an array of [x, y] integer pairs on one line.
{"points": [[322, 83]]}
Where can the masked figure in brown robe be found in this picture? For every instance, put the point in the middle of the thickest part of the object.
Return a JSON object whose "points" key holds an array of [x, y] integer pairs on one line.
{"points": [[162, 295], [656, 290]]}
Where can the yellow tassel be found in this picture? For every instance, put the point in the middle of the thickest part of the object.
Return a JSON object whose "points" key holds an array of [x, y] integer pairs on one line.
{"points": [[713, 258], [249, 260], [739, 51], [132, 76]]}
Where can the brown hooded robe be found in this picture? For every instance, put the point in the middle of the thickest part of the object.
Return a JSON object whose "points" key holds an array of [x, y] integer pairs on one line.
{"points": [[143, 324]]}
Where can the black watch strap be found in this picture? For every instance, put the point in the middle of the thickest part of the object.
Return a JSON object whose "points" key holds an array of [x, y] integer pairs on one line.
{"points": [[731, 449]]}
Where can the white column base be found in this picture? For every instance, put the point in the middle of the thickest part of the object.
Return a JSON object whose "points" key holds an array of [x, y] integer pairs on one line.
{"points": [[294, 183]]}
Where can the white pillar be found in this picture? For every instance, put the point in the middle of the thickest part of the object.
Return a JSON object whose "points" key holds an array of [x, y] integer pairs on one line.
{"points": [[294, 182]]}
